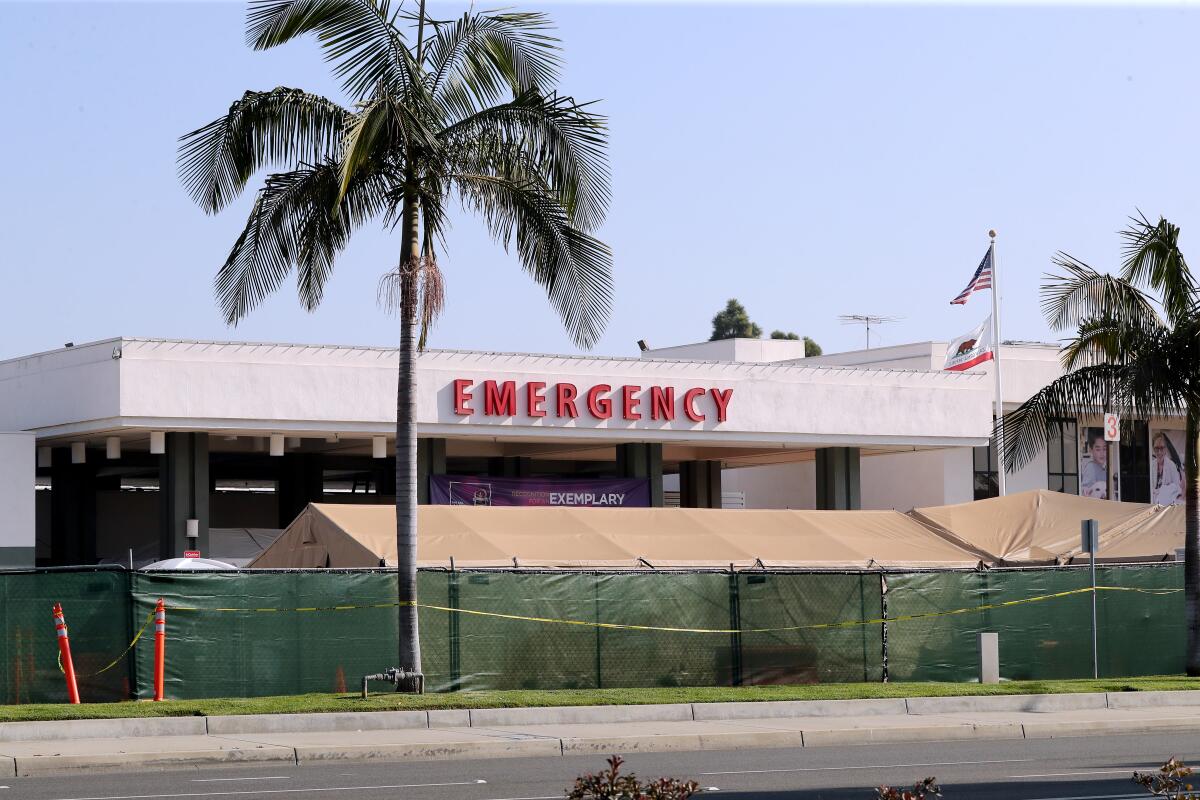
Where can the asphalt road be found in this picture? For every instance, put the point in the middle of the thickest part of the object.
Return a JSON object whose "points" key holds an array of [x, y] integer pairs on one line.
{"points": [[1091, 768]]}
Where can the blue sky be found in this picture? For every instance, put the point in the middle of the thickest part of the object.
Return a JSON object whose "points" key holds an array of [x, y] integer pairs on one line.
{"points": [[811, 160]]}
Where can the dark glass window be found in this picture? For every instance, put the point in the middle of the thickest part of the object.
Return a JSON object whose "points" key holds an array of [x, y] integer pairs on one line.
{"points": [[985, 473], [1062, 458], [1135, 462]]}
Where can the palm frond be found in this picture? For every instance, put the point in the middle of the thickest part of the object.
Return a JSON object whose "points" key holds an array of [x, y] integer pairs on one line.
{"points": [[1079, 292], [383, 132], [1153, 258], [293, 224], [280, 127], [493, 55], [575, 269], [359, 37], [563, 140]]}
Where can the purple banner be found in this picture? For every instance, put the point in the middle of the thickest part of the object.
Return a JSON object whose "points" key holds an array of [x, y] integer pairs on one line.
{"points": [[455, 490]]}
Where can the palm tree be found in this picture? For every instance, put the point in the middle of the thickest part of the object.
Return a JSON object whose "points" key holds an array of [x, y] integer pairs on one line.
{"points": [[1135, 350], [442, 110]]}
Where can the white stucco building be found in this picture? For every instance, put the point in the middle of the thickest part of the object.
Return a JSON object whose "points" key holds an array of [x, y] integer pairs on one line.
{"points": [[133, 444]]}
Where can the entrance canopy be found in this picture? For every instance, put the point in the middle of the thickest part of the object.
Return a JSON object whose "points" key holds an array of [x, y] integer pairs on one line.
{"points": [[347, 536]]}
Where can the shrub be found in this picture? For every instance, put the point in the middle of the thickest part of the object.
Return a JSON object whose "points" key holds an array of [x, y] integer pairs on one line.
{"points": [[1173, 781], [920, 791], [612, 785]]}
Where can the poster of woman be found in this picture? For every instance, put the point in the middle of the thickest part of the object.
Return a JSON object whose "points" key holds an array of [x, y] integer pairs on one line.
{"points": [[1166, 468], [1093, 466]]}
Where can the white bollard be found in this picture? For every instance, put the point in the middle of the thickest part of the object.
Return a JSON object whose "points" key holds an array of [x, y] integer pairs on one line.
{"points": [[989, 658]]}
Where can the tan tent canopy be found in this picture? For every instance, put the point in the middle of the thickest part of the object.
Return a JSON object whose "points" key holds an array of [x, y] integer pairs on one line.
{"points": [[346, 536], [1040, 527]]}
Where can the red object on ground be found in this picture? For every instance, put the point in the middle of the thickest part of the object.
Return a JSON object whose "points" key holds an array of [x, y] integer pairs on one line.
{"points": [[160, 647], [64, 650]]}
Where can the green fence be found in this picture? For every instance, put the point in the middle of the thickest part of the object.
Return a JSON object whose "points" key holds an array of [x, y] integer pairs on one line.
{"points": [[264, 633]]}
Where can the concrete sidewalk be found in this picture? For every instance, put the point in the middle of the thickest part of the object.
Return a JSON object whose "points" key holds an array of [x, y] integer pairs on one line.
{"points": [[42, 748]]}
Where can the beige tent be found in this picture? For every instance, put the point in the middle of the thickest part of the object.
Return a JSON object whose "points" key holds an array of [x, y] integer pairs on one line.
{"points": [[345, 536], [1040, 527]]}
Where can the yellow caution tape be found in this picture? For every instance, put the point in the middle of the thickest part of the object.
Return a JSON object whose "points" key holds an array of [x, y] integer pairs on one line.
{"points": [[116, 660], [723, 631]]}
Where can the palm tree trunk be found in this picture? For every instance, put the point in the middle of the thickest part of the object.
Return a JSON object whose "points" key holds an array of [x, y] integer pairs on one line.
{"points": [[1191, 543], [406, 441]]}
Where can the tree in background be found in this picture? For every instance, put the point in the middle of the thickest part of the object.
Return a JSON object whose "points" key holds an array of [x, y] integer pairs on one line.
{"points": [[733, 323], [460, 111], [1128, 358], [811, 348]]}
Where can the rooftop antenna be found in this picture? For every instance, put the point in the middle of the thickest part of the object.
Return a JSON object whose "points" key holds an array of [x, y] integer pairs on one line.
{"points": [[868, 320]]}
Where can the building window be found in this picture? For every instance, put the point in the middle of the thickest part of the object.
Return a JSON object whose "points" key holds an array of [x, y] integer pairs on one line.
{"points": [[1062, 457], [986, 481]]}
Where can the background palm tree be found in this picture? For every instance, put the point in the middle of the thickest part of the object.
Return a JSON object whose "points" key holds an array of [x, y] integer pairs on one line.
{"points": [[442, 110], [1133, 353]]}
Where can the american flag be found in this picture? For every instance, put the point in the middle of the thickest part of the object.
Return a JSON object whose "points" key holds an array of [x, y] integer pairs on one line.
{"points": [[982, 279]]}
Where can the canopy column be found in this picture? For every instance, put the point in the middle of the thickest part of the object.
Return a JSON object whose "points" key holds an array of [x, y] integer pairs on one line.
{"points": [[183, 493], [700, 484], [838, 479]]}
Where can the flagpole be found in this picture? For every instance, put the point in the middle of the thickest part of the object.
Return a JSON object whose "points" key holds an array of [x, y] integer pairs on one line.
{"points": [[996, 364]]}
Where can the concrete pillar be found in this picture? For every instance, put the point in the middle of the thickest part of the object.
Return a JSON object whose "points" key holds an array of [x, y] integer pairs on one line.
{"points": [[72, 510], [700, 484], [301, 481], [431, 460], [183, 491], [18, 523], [643, 460], [838, 483]]}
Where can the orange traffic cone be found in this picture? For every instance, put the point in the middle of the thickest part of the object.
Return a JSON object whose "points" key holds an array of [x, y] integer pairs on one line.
{"points": [[64, 651]]}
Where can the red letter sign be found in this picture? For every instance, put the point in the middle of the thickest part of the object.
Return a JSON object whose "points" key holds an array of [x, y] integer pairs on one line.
{"points": [[601, 407], [662, 403], [534, 398], [721, 397], [462, 397], [500, 401], [629, 403], [565, 407], [689, 405]]}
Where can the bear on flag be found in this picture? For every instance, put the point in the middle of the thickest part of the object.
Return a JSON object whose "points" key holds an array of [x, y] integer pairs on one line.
{"points": [[970, 349]]}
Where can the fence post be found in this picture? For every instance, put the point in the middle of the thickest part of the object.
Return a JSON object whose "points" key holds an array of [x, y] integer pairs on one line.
{"points": [[455, 652], [132, 622], [735, 625], [883, 626], [596, 613]]}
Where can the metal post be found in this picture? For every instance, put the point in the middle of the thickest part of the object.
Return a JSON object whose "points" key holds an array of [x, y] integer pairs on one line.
{"points": [[455, 637], [883, 627], [735, 624], [1091, 543], [999, 437]]}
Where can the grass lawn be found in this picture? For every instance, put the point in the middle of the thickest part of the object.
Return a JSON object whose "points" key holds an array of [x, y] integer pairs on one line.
{"points": [[387, 701]]}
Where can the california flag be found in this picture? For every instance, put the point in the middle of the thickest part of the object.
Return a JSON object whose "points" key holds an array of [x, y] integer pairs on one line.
{"points": [[971, 348]]}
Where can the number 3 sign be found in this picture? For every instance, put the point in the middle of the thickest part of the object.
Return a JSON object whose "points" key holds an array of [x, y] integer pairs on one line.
{"points": [[1112, 428]]}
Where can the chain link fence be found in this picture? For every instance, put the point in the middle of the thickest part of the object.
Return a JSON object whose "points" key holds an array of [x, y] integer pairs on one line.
{"points": [[268, 633]]}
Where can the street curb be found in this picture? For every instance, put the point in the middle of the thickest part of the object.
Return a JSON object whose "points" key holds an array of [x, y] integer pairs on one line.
{"points": [[493, 717], [25, 766], [441, 751], [35, 766], [102, 728]]}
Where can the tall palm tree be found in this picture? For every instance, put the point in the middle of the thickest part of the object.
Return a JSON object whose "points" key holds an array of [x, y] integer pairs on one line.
{"points": [[442, 110], [1135, 350]]}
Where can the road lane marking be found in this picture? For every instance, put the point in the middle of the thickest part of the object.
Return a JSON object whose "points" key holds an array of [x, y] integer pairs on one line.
{"points": [[1068, 774], [276, 791], [872, 766], [266, 778]]}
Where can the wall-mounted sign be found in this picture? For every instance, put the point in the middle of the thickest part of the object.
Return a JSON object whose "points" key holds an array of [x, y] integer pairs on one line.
{"points": [[601, 401], [461, 490], [191, 553]]}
